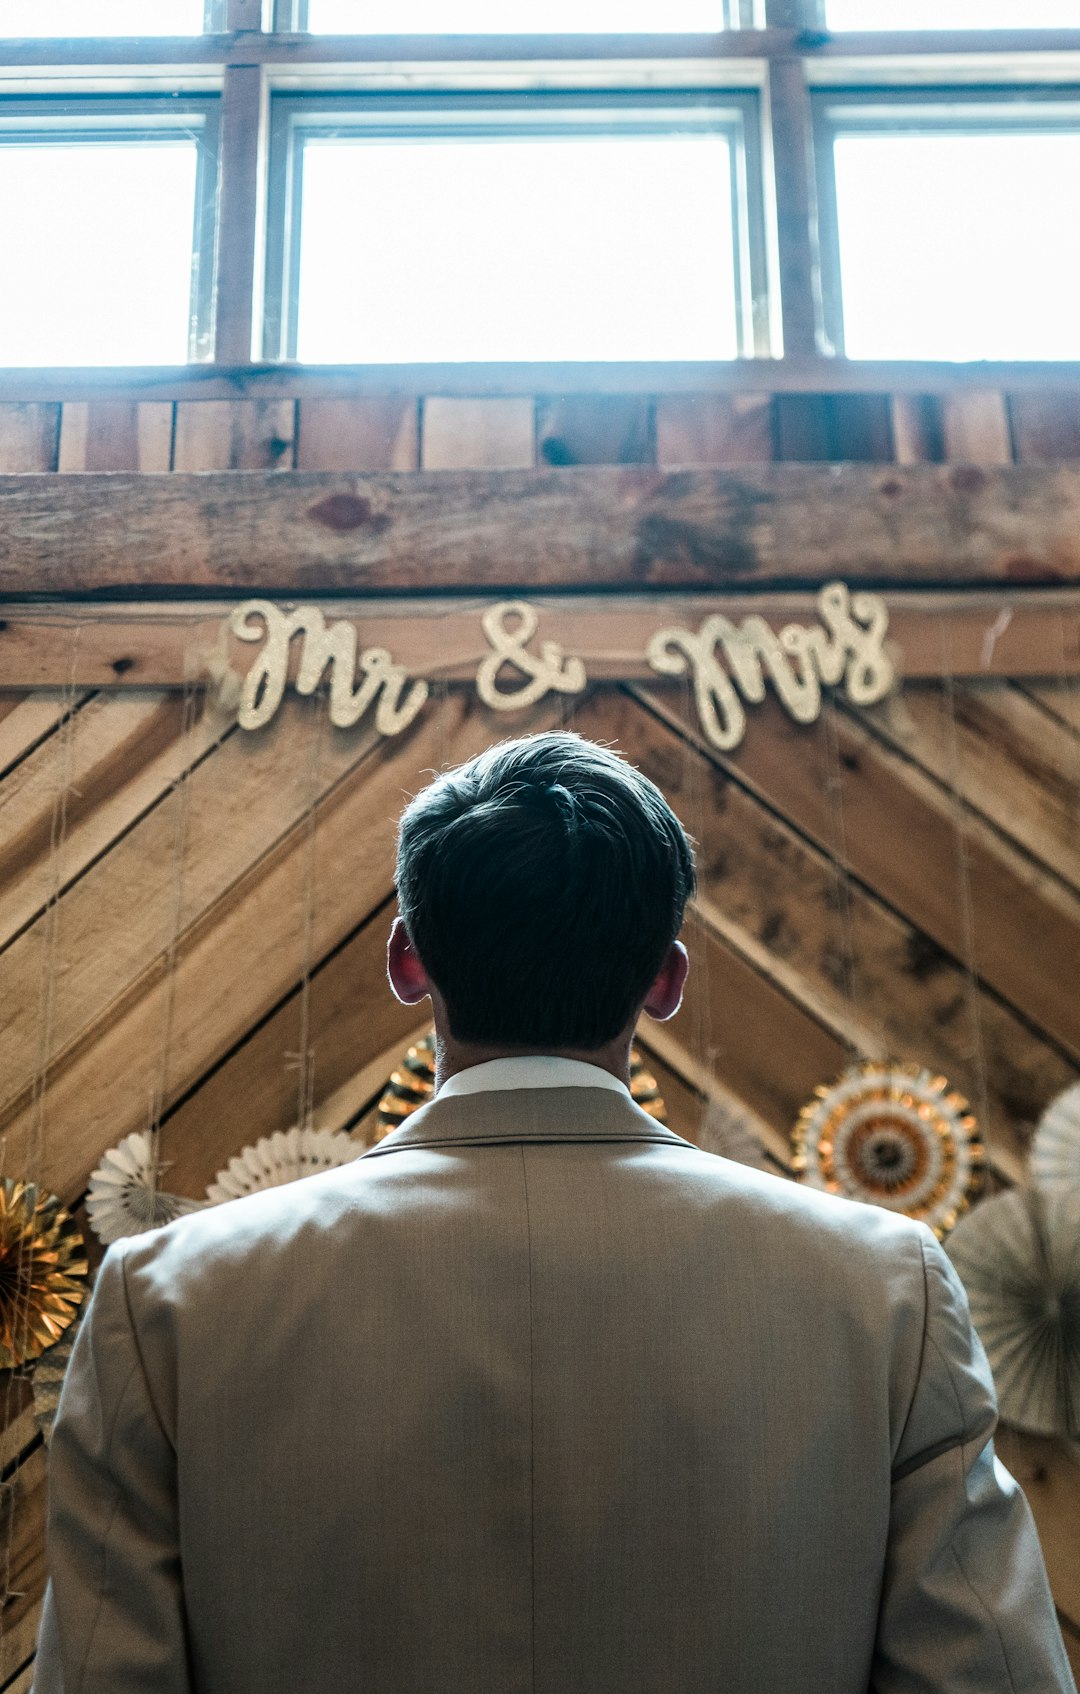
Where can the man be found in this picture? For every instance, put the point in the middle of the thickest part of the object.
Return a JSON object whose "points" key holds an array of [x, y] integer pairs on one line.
{"points": [[536, 1397]]}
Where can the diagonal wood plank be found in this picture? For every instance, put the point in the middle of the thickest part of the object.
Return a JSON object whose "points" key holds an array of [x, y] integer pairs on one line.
{"points": [[121, 917], [354, 1019], [239, 960], [905, 839], [1012, 761], [853, 963], [80, 790], [27, 718], [22, 1539]]}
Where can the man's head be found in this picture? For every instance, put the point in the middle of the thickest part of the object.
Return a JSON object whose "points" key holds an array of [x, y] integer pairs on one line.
{"points": [[541, 888]]}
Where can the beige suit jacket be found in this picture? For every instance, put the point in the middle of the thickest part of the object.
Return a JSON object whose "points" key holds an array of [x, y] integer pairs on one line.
{"points": [[537, 1398]]}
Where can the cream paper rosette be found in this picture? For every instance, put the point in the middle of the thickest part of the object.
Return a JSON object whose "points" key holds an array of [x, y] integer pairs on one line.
{"points": [[1018, 1256], [123, 1197], [283, 1157], [1055, 1151]]}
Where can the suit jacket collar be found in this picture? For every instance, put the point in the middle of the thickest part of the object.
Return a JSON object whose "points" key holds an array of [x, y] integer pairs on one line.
{"points": [[526, 1114]]}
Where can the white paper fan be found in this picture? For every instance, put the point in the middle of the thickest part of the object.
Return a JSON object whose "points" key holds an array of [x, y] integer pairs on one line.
{"points": [[1018, 1256], [282, 1157], [1055, 1151], [123, 1197]]}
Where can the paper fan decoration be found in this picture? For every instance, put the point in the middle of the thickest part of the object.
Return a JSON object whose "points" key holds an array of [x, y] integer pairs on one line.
{"points": [[895, 1136], [283, 1157], [123, 1197], [43, 1271], [412, 1085], [1018, 1256], [1055, 1151], [49, 1373]]}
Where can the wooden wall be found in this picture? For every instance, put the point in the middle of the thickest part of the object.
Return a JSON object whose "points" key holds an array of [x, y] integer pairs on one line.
{"points": [[180, 900], [980, 426]]}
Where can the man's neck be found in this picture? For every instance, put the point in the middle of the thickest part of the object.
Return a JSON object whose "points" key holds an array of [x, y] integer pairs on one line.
{"points": [[453, 1056]]}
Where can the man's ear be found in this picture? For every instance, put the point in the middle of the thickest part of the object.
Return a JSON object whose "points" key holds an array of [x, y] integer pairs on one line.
{"points": [[665, 996], [408, 978]]}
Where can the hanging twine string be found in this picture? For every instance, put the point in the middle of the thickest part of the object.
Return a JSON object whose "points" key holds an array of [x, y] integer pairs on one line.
{"points": [[34, 1162], [303, 1060], [180, 795], [840, 865], [967, 910]]}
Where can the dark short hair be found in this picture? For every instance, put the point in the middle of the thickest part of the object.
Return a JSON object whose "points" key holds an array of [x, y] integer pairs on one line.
{"points": [[541, 885]]}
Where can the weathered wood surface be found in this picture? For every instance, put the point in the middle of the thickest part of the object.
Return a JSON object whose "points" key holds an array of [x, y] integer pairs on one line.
{"points": [[166, 644], [970, 893], [847, 958], [609, 527]]}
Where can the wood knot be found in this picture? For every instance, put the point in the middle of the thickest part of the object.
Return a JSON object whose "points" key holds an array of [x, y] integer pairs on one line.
{"points": [[348, 511], [122, 666], [967, 479]]}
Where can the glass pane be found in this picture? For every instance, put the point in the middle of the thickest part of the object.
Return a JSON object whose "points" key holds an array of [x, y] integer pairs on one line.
{"points": [[101, 17], [953, 14], [97, 259], [958, 246], [513, 17], [610, 247]]}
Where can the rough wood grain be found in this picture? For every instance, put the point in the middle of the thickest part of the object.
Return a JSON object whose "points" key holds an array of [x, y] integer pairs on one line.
{"points": [[850, 961], [115, 435], [22, 1507], [1010, 760], [83, 788], [595, 429], [28, 719], [236, 959], [975, 427], [28, 436], [904, 838], [604, 526], [234, 435], [353, 1018], [1005, 633], [714, 429], [473, 434], [377, 434]]}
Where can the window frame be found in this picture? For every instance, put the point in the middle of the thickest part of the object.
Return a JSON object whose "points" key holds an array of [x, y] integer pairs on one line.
{"points": [[291, 17], [91, 119], [921, 110], [734, 113]]}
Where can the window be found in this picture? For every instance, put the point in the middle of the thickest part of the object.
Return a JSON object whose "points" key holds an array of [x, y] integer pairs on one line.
{"points": [[522, 17], [560, 231], [109, 17], [947, 228], [952, 14], [101, 267]]}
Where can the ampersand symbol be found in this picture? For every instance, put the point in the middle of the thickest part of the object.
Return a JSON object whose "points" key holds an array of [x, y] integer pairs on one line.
{"points": [[550, 672]]}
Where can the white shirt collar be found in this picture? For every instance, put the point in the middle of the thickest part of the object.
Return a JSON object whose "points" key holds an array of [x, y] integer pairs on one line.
{"points": [[528, 1072]]}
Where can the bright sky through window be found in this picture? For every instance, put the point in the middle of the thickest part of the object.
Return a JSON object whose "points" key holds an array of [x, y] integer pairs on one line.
{"points": [[953, 14], [607, 247], [97, 253], [507, 17], [101, 17], [959, 246]]}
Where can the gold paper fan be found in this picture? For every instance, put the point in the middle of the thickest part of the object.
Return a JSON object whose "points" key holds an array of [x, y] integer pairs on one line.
{"points": [[892, 1135], [43, 1271], [412, 1085]]}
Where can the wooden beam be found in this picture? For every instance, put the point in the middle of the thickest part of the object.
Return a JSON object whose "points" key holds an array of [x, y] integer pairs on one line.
{"points": [[803, 374], [869, 50], [1004, 633], [609, 527]]}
